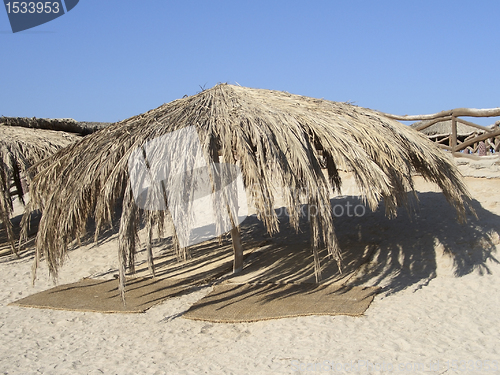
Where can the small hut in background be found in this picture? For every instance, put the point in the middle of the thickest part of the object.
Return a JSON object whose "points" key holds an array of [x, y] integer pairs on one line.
{"points": [[67, 125], [441, 133], [24, 142]]}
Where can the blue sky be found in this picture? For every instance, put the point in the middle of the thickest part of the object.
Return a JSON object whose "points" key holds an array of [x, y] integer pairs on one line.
{"points": [[107, 60]]}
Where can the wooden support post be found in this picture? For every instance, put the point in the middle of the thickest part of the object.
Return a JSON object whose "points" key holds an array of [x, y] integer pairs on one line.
{"points": [[453, 139], [237, 249], [149, 248]]}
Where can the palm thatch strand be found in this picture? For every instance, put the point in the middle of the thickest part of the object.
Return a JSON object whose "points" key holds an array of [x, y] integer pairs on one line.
{"points": [[275, 137], [21, 148]]}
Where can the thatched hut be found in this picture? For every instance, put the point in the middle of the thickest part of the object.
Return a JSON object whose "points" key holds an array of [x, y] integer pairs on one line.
{"points": [[67, 125], [441, 133], [443, 129], [21, 148], [274, 137], [24, 142]]}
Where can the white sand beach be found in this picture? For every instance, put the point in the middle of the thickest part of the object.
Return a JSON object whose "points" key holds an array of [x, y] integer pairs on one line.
{"points": [[434, 315]]}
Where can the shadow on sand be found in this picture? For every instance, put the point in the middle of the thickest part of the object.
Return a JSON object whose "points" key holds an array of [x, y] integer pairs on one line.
{"points": [[394, 254], [407, 251]]}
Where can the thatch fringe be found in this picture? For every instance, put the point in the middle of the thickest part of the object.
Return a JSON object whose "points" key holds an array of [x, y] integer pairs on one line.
{"points": [[277, 139], [67, 125], [21, 148]]}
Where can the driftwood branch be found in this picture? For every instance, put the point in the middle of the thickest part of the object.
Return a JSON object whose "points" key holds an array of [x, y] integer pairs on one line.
{"points": [[453, 139], [479, 138], [469, 112]]}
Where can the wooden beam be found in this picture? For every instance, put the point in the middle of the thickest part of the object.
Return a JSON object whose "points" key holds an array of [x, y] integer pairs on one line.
{"points": [[443, 140], [479, 138], [444, 147], [236, 239], [432, 122], [237, 250], [470, 136], [149, 248], [453, 138]]}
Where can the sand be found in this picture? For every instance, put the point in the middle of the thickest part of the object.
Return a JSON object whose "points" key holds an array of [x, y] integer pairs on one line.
{"points": [[430, 313]]}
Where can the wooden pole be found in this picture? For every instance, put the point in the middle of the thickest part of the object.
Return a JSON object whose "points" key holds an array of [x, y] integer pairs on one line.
{"points": [[237, 249], [149, 248], [453, 139]]}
